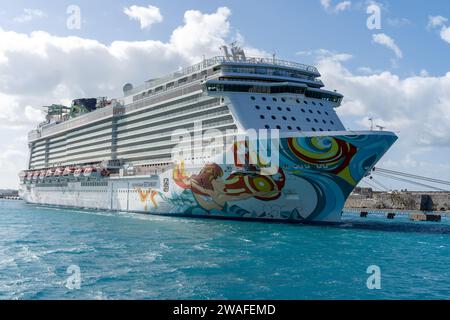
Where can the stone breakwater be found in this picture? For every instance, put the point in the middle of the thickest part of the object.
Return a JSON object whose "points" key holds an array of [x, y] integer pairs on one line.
{"points": [[404, 200]]}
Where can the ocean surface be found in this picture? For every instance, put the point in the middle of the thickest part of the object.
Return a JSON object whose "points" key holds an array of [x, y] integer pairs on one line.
{"points": [[117, 255]]}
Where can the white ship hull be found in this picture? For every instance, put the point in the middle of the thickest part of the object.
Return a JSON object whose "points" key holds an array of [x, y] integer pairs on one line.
{"points": [[315, 177]]}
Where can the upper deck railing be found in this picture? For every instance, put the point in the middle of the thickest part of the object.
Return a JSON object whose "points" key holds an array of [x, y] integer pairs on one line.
{"points": [[217, 60]]}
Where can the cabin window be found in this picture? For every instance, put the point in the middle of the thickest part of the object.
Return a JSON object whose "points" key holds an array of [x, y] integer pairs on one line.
{"points": [[183, 80]]}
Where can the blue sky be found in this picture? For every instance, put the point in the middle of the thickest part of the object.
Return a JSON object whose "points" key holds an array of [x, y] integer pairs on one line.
{"points": [[285, 27], [407, 91]]}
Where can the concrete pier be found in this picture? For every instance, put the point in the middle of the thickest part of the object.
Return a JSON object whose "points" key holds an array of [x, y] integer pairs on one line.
{"points": [[413, 215]]}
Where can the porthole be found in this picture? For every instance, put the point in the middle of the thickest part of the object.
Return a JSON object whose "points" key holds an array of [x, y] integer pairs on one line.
{"points": [[278, 127], [293, 118], [297, 100], [308, 119], [324, 121], [253, 98], [257, 107], [274, 99], [326, 113], [273, 117], [299, 129], [264, 98], [320, 129], [318, 111], [305, 102], [279, 108], [283, 99], [321, 104], [267, 126], [313, 129], [261, 116], [284, 118], [303, 110], [289, 127], [310, 111], [288, 109], [316, 121], [268, 108], [313, 103], [331, 121]]}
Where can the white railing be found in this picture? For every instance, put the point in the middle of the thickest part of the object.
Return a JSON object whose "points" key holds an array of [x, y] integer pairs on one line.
{"points": [[207, 63]]}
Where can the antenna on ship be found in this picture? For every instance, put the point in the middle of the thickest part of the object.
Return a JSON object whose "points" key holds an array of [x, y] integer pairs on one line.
{"points": [[226, 54], [371, 123]]}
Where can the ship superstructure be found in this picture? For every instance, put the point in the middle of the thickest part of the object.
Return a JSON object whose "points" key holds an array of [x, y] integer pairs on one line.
{"points": [[118, 154]]}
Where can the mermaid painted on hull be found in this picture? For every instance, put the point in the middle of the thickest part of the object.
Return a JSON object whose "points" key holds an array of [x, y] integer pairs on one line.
{"points": [[212, 191]]}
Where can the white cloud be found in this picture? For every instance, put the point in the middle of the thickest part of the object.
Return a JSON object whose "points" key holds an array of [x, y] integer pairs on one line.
{"points": [[436, 21], [445, 34], [388, 42], [416, 107], [28, 15], [340, 6], [325, 3], [39, 68], [147, 16], [440, 21]]}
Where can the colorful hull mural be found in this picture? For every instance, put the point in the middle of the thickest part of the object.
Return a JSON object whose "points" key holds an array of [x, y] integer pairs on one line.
{"points": [[315, 176]]}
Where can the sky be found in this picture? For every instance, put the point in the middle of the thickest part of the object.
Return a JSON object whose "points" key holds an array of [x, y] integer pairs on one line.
{"points": [[393, 66]]}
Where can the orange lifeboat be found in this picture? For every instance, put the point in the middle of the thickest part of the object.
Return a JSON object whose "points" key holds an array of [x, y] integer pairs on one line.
{"points": [[58, 172], [78, 172], [36, 175], [90, 172], [42, 174], [68, 171], [49, 173], [29, 175]]}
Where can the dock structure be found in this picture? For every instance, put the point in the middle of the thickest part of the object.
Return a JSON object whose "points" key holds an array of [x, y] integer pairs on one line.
{"points": [[413, 215]]}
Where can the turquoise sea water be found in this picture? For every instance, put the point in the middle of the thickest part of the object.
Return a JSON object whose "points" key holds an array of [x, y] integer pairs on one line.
{"points": [[135, 256]]}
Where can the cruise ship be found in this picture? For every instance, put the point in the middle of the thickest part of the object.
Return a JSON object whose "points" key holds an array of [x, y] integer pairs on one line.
{"points": [[232, 137]]}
